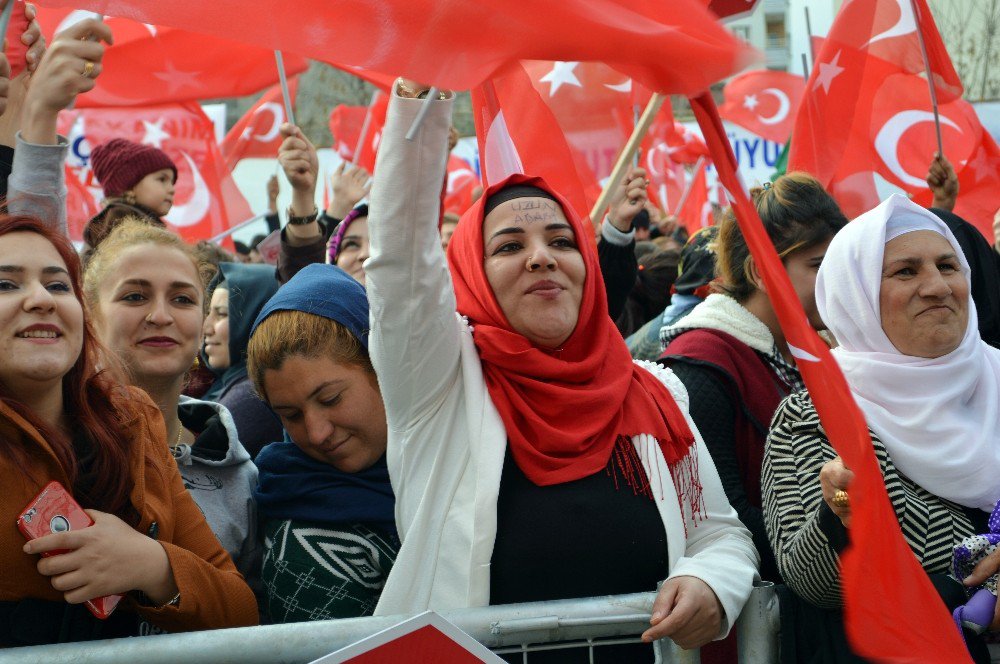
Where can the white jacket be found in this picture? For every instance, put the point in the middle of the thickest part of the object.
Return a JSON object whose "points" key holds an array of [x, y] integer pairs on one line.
{"points": [[446, 439]]}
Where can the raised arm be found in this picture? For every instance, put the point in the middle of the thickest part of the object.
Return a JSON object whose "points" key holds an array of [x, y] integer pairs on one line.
{"points": [[414, 341]]}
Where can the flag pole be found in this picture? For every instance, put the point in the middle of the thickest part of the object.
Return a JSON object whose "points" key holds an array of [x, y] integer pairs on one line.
{"points": [[5, 19], [364, 127], [809, 37], [625, 157], [283, 78], [243, 224], [635, 123], [432, 94], [688, 186], [805, 66], [930, 77]]}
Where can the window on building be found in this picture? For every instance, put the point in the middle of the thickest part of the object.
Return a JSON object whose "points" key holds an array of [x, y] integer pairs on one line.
{"points": [[775, 29]]}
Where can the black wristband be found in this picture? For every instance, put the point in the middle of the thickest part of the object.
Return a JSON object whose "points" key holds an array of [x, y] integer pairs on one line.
{"points": [[302, 221]]}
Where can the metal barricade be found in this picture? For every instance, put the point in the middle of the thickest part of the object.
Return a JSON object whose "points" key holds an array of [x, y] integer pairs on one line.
{"points": [[516, 628]]}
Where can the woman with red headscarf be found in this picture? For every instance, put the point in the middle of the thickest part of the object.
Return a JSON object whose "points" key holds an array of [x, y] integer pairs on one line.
{"points": [[531, 458]]}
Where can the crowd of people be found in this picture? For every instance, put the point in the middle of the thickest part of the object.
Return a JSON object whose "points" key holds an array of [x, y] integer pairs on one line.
{"points": [[417, 409]]}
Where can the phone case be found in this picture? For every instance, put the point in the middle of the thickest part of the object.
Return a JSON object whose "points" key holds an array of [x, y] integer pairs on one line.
{"points": [[53, 510]]}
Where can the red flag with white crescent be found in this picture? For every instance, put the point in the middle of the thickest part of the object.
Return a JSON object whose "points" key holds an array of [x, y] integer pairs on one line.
{"points": [[257, 134], [206, 201], [763, 102]]}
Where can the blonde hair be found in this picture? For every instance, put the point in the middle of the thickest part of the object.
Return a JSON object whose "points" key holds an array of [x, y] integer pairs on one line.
{"points": [[797, 213], [285, 334], [134, 232]]}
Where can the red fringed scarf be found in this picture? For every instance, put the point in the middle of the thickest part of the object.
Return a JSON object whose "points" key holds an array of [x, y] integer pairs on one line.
{"points": [[564, 411]]}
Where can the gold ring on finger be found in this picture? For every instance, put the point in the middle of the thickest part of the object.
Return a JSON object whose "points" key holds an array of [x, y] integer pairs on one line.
{"points": [[841, 499], [88, 69]]}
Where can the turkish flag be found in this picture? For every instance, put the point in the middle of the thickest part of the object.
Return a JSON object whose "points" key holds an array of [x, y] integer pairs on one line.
{"points": [[256, 133], [518, 133], [462, 181], [696, 211], [675, 46], [206, 201], [151, 64], [347, 123], [763, 102], [864, 152], [595, 107], [879, 572]]}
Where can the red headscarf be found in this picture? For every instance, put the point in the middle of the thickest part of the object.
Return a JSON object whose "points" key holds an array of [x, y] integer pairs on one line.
{"points": [[564, 411]]}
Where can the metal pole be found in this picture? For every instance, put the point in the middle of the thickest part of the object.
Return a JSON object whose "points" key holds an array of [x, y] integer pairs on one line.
{"points": [[432, 94], [757, 628], [809, 35], [283, 79], [930, 77], [243, 224]]}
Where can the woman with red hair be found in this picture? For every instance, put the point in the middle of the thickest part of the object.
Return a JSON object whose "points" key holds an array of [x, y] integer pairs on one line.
{"points": [[66, 416], [531, 458]]}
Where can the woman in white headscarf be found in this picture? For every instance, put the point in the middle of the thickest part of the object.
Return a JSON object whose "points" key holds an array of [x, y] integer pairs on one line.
{"points": [[894, 289]]}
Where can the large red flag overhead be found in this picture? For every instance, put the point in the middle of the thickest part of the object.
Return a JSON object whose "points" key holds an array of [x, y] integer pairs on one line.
{"points": [[675, 46], [151, 64], [763, 102], [862, 152], [517, 133], [206, 201], [879, 573], [256, 133]]}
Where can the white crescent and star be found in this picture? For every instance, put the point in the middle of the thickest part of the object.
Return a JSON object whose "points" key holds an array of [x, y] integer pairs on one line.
{"points": [[562, 74], [827, 72], [784, 105], [155, 134], [196, 208], [906, 25], [621, 87], [277, 114], [887, 141]]}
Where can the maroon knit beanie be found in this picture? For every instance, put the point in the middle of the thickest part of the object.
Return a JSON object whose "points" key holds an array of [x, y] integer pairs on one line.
{"points": [[119, 164]]}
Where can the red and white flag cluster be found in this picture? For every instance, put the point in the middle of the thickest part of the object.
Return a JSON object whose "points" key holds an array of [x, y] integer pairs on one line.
{"points": [[866, 126], [206, 201]]}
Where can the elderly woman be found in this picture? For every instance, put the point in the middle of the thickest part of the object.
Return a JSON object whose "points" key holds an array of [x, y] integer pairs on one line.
{"points": [[525, 408], [894, 290]]}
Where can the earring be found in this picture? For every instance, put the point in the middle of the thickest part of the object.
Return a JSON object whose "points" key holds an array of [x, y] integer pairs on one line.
{"points": [[130, 198], [531, 266]]}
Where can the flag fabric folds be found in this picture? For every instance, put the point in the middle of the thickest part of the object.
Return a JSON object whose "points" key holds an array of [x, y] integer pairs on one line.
{"points": [[675, 46]]}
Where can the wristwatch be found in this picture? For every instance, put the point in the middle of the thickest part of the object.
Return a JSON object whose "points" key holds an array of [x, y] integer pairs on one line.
{"points": [[302, 221]]}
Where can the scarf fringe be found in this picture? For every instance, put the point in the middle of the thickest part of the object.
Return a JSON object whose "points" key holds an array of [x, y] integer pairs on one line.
{"points": [[626, 462]]}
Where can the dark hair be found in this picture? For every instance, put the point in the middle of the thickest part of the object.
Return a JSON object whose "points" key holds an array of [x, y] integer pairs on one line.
{"points": [[797, 214], [95, 400]]}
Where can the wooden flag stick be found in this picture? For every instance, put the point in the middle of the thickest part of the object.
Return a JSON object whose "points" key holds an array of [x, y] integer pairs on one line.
{"points": [[625, 157], [689, 185], [283, 78], [930, 77]]}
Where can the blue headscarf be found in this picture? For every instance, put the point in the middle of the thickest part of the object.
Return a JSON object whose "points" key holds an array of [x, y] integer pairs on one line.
{"points": [[249, 288], [293, 485]]}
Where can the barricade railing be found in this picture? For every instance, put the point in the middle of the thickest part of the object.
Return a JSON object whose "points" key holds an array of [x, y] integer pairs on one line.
{"points": [[516, 628]]}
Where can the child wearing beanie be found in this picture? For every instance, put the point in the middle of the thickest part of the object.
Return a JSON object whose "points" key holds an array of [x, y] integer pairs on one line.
{"points": [[138, 182]]}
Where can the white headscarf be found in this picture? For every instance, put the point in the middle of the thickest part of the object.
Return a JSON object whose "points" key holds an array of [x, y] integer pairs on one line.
{"points": [[939, 418]]}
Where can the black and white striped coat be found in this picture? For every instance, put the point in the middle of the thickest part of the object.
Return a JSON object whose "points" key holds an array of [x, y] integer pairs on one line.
{"points": [[804, 532]]}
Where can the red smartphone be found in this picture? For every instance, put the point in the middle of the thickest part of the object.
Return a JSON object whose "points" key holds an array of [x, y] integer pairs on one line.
{"points": [[53, 510]]}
